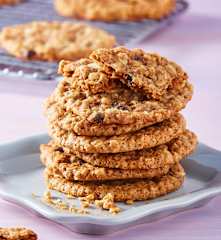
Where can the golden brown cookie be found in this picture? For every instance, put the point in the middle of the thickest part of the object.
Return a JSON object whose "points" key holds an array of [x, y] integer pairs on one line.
{"points": [[145, 138], [166, 154], [17, 234], [52, 41], [121, 190], [115, 10], [72, 168]]}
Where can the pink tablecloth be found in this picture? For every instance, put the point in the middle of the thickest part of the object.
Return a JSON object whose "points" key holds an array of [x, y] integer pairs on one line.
{"points": [[194, 41]]}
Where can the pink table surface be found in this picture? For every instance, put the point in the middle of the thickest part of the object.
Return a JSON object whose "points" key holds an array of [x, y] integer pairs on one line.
{"points": [[194, 41]]}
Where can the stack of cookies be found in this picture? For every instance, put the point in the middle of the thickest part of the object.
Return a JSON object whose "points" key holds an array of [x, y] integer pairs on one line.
{"points": [[116, 128]]}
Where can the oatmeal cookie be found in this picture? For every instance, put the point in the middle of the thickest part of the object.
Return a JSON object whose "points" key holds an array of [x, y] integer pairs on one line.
{"points": [[121, 190], [145, 138], [52, 41], [17, 234], [115, 10], [73, 168], [166, 154]]}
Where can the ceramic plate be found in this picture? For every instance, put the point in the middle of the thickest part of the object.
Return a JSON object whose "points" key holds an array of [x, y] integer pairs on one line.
{"points": [[21, 174]]}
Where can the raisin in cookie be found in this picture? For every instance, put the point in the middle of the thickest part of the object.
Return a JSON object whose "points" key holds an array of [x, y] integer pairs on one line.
{"points": [[52, 41]]}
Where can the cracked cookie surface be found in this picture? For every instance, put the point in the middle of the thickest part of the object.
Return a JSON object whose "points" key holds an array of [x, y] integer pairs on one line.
{"points": [[53, 41], [147, 72]]}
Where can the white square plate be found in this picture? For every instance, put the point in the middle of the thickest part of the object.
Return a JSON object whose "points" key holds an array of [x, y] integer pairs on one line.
{"points": [[21, 175]]}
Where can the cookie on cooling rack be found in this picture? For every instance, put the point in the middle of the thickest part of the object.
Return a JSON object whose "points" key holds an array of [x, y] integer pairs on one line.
{"points": [[53, 41]]}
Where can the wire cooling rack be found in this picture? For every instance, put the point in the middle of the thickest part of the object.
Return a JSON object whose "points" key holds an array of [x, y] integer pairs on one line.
{"points": [[127, 33]]}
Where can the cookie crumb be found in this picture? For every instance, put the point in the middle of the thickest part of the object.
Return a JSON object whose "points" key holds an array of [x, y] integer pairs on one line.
{"points": [[86, 201], [82, 211], [34, 195], [129, 202], [47, 197], [56, 203], [61, 205], [68, 196], [114, 210], [85, 204], [89, 198], [72, 209], [107, 203]]}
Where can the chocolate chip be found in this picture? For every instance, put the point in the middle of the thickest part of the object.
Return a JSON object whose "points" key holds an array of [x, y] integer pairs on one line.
{"points": [[59, 149], [30, 54], [99, 118]]}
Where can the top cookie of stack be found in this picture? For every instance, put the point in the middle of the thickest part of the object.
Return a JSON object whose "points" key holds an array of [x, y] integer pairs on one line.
{"points": [[115, 92]]}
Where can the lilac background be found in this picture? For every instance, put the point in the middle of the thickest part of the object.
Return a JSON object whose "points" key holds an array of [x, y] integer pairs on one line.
{"points": [[194, 42]]}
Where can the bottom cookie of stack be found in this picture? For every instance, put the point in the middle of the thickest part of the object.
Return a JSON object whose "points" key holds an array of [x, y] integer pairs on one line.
{"points": [[136, 189]]}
